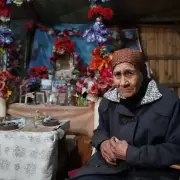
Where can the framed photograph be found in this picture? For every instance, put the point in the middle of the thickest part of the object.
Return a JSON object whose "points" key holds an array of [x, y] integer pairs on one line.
{"points": [[64, 67], [61, 98], [29, 98], [57, 83], [40, 97], [46, 84]]}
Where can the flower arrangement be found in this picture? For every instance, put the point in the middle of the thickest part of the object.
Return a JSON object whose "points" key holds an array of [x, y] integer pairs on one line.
{"points": [[39, 72], [9, 86], [31, 84], [62, 46], [93, 87], [3, 90], [33, 81], [99, 77], [100, 86], [100, 59], [106, 13], [4, 11]]}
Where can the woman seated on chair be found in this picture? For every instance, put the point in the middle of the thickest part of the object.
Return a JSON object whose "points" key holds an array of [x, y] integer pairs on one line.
{"points": [[138, 136]]}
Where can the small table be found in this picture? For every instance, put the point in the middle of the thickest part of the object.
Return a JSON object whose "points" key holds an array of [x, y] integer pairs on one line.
{"points": [[81, 118], [31, 155]]}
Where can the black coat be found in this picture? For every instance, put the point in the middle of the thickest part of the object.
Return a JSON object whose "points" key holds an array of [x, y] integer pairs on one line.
{"points": [[152, 132]]}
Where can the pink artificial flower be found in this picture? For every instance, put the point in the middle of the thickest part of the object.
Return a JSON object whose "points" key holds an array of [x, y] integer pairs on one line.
{"points": [[102, 84], [94, 89]]}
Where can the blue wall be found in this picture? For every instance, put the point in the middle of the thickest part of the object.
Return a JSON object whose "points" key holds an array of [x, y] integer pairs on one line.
{"points": [[43, 44]]}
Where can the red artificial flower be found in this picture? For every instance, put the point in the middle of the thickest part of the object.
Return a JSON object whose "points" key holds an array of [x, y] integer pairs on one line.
{"points": [[33, 74], [105, 73], [36, 69], [64, 45], [44, 76], [83, 68], [38, 72], [106, 13], [102, 84], [4, 11], [66, 32], [2, 3], [110, 82], [43, 68], [94, 89], [96, 51], [5, 74]]}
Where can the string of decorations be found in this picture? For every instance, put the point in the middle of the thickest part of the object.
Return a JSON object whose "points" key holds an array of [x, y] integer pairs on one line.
{"points": [[98, 32], [30, 25]]}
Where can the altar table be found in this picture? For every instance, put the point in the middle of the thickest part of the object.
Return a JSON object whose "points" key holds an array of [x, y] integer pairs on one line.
{"points": [[81, 118]]}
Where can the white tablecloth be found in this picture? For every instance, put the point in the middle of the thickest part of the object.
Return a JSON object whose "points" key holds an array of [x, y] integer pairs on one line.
{"points": [[29, 155]]}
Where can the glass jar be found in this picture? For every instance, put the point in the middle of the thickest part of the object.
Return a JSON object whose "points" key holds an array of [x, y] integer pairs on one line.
{"points": [[29, 122]]}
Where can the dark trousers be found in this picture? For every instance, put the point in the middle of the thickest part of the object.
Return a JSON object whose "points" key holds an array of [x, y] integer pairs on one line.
{"points": [[101, 177], [123, 176]]}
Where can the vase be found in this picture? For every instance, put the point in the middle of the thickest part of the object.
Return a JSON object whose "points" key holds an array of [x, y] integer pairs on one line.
{"points": [[3, 107], [82, 101]]}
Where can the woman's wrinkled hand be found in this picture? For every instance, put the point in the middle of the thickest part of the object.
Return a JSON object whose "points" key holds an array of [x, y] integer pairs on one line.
{"points": [[119, 148], [107, 153]]}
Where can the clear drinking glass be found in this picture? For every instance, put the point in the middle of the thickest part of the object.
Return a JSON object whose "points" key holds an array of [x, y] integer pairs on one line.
{"points": [[29, 122]]}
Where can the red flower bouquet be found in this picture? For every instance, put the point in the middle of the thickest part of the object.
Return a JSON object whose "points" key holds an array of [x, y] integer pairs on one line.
{"points": [[40, 72], [64, 45], [106, 13]]}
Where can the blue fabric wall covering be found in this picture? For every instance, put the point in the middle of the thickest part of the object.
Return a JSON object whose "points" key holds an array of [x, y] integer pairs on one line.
{"points": [[43, 46]]}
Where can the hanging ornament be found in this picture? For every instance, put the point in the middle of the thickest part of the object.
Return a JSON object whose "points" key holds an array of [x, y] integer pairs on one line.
{"points": [[5, 36], [97, 32]]}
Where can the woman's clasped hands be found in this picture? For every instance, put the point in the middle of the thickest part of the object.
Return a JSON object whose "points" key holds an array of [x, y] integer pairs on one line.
{"points": [[114, 149]]}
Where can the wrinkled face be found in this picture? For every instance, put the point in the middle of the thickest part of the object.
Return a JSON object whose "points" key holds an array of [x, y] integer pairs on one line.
{"points": [[127, 79]]}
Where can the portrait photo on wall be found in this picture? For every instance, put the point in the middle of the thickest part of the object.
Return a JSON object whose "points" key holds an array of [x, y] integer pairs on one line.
{"points": [[131, 39]]}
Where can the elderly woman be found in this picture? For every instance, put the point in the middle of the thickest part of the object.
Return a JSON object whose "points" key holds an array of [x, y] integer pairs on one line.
{"points": [[138, 136]]}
